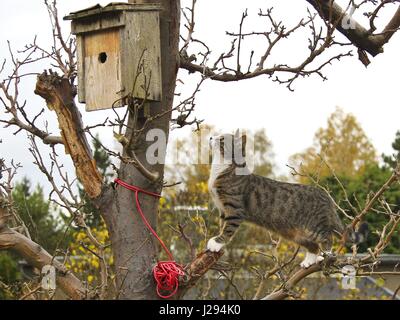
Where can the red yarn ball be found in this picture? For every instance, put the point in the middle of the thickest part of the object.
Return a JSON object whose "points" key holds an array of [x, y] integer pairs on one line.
{"points": [[166, 274]]}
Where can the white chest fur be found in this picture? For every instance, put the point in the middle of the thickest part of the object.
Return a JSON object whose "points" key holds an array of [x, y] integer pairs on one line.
{"points": [[216, 170]]}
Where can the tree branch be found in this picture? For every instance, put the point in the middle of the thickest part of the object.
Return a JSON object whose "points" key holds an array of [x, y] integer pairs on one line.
{"points": [[33, 253], [36, 256], [197, 269], [224, 70], [390, 29], [332, 13], [287, 287], [59, 95]]}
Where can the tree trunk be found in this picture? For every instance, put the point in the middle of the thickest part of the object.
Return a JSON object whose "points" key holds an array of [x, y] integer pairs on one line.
{"points": [[135, 249]]}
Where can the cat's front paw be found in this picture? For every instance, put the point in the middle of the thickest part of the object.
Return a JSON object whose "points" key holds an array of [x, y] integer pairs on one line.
{"points": [[213, 245]]}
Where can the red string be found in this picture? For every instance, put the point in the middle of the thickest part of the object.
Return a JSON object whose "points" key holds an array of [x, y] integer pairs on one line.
{"points": [[166, 273]]}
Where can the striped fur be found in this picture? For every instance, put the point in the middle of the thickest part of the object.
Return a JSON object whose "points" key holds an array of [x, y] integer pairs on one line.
{"points": [[300, 213]]}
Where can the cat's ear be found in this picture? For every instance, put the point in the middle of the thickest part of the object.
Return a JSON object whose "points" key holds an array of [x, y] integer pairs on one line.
{"points": [[237, 133]]}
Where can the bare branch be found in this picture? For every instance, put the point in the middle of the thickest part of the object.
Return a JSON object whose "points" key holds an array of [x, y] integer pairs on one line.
{"points": [[355, 32], [38, 257], [221, 71], [196, 269]]}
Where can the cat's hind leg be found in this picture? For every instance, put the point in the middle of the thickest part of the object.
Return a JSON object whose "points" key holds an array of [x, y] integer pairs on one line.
{"points": [[326, 245], [215, 244], [312, 254], [310, 259]]}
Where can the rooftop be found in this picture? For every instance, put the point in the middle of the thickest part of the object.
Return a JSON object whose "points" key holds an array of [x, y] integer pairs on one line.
{"points": [[110, 8]]}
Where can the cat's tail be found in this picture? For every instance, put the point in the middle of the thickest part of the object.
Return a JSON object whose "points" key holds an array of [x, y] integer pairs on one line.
{"points": [[359, 236], [355, 237]]}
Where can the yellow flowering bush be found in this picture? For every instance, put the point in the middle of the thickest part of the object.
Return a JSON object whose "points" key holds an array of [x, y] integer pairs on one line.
{"points": [[84, 258]]}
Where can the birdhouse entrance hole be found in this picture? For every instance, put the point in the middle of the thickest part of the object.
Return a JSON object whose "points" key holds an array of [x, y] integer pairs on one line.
{"points": [[103, 57]]}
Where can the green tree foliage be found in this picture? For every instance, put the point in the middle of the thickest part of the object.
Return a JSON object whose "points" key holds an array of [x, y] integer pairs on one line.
{"points": [[345, 152], [102, 159], [392, 160], [49, 226], [9, 275], [358, 190], [39, 216]]}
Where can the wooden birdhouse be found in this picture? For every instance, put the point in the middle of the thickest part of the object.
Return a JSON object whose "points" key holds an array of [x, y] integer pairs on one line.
{"points": [[118, 54]]}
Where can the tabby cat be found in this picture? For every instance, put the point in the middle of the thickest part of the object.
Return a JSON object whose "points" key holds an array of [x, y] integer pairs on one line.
{"points": [[303, 214]]}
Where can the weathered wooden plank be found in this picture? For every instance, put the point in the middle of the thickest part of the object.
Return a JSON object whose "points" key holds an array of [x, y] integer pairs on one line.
{"points": [[141, 44], [97, 23], [106, 40], [102, 69], [80, 48], [112, 7]]}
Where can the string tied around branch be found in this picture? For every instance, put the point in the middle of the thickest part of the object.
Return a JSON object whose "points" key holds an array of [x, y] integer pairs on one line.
{"points": [[166, 273]]}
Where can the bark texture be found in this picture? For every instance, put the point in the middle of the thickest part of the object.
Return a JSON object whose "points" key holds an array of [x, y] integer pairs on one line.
{"points": [[135, 249], [357, 34], [196, 270]]}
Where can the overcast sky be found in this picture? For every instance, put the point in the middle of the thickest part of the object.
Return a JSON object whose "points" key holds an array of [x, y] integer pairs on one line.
{"points": [[290, 118]]}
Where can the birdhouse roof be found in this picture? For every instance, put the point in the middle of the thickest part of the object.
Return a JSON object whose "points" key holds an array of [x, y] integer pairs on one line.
{"points": [[112, 7]]}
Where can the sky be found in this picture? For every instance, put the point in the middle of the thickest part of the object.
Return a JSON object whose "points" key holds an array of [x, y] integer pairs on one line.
{"points": [[289, 118]]}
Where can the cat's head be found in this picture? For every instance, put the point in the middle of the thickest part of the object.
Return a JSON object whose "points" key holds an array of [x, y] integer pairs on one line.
{"points": [[229, 148]]}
